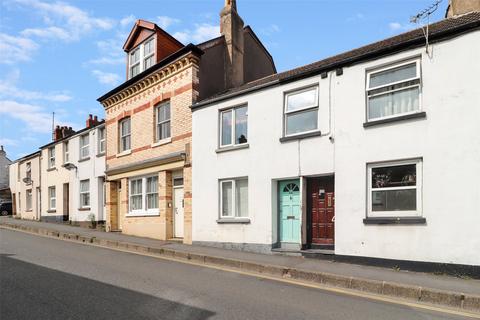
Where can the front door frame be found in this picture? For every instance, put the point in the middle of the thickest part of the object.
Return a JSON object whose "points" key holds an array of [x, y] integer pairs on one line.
{"points": [[289, 245], [309, 228], [175, 220]]}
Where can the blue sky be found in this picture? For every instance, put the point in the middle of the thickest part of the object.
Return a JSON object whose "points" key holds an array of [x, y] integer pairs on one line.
{"points": [[61, 56]]}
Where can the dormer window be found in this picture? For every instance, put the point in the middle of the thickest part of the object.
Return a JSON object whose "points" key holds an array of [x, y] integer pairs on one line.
{"points": [[142, 57]]}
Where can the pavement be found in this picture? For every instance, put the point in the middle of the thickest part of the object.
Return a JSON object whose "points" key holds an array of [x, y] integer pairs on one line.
{"points": [[429, 288], [43, 278]]}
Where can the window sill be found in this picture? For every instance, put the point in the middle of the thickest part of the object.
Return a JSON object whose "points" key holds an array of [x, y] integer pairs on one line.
{"points": [[233, 220], [231, 148], [301, 136], [84, 159], [100, 154], [142, 214], [161, 142], [395, 220], [124, 153], [52, 169], [52, 211], [417, 115], [29, 210], [84, 209]]}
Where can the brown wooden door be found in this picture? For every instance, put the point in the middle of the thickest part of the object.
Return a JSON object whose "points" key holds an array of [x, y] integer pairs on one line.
{"points": [[321, 207]]}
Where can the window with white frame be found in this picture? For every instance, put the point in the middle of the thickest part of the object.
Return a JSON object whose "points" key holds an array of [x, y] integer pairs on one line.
{"points": [[28, 171], [163, 121], [234, 126], [301, 111], [124, 132], [66, 152], [234, 198], [28, 199], [51, 157], [101, 140], [52, 198], [85, 193], [135, 62], [143, 195], [84, 146], [395, 189], [394, 90], [142, 58]]}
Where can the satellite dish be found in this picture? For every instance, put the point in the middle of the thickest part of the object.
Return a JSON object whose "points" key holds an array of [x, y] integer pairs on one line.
{"points": [[27, 180]]}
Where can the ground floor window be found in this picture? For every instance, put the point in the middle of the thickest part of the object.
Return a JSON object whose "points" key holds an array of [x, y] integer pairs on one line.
{"points": [[395, 188], [85, 193], [143, 196], [234, 198], [52, 198], [29, 200]]}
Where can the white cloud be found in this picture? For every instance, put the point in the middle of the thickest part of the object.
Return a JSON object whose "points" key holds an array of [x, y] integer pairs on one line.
{"points": [[397, 26], [47, 33], [107, 61], [66, 22], [111, 52], [164, 22], [8, 142], [201, 33], [34, 117], [106, 77], [271, 29], [128, 20], [9, 89], [14, 49]]}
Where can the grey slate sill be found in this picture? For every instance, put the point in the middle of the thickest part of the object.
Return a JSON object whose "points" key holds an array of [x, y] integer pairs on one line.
{"points": [[395, 220], [232, 148], [51, 169], [51, 210], [100, 154], [84, 159], [233, 221], [418, 115], [301, 136]]}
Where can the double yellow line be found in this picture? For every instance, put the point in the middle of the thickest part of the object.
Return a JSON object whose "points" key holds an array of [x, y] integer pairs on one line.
{"points": [[278, 279]]}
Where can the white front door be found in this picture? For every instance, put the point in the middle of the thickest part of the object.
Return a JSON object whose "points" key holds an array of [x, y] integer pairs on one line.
{"points": [[178, 212]]}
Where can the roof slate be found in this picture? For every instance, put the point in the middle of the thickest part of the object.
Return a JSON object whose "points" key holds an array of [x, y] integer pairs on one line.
{"points": [[437, 31]]}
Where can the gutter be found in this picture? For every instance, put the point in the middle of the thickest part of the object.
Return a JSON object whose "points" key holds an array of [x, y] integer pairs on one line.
{"points": [[410, 44]]}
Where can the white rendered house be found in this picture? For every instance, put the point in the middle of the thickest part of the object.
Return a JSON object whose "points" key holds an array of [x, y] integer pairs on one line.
{"points": [[371, 153]]}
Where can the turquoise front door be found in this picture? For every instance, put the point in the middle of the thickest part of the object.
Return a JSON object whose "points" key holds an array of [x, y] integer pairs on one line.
{"points": [[289, 210]]}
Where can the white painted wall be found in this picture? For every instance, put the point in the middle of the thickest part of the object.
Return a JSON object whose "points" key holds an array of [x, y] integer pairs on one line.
{"points": [[19, 188], [447, 140], [92, 169]]}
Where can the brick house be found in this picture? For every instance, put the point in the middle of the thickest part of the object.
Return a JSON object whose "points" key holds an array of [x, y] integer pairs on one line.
{"points": [[149, 124]]}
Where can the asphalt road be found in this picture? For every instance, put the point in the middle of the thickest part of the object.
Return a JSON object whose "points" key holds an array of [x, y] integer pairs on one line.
{"points": [[43, 278]]}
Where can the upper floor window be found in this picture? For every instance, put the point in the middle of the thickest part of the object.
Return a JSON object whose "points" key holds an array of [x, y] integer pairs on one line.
{"points": [[394, 189], [101, 140], [84, 146], [301, 111], [51, 157], [142, 58], [28, 169], [393, 91], [163, 121], [124, 130], [66, 152], [234, 126]]}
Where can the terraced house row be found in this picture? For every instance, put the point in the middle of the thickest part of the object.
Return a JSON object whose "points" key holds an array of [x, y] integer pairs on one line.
{"points": [[371, 154]]}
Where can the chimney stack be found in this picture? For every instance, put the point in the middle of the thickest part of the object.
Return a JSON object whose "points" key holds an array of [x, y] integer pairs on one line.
{"points": [[91, 121], [459, 7], [231, 27], [62, 132], [57, 134]]}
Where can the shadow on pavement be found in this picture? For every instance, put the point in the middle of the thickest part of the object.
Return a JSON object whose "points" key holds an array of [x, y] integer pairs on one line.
{"points": [[29, 291]]}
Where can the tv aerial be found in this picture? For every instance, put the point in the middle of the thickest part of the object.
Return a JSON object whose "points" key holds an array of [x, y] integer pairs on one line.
{"points": [[424, 16]]}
